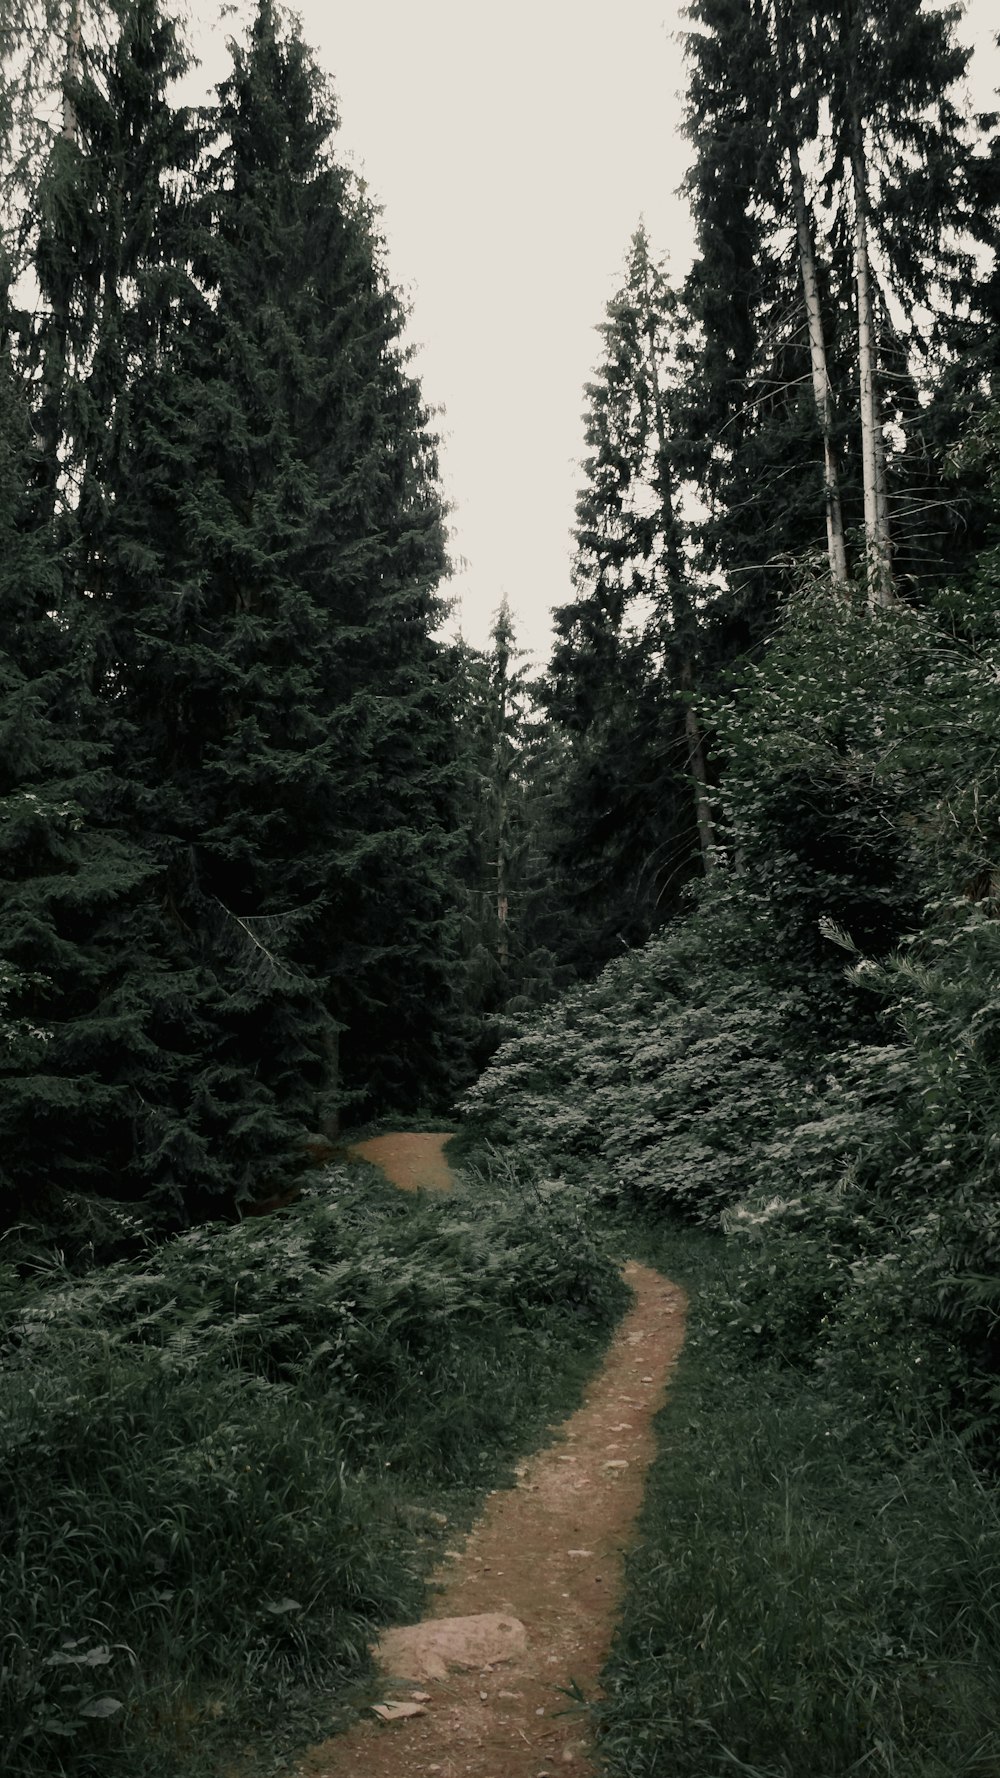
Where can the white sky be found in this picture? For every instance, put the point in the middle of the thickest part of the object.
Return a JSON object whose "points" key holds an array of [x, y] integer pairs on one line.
{"points": [[513, 150]]}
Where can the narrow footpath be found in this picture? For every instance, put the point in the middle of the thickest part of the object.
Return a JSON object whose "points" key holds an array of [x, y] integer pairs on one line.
{"points": [[491, 1685]]}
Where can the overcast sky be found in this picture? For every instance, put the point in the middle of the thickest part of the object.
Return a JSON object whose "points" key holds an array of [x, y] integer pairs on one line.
{"points": [[513, 151]]}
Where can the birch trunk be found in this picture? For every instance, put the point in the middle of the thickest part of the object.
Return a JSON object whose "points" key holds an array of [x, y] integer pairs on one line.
{"points": [[54, 372], [73, 70], [877, 540], [822, 389]]}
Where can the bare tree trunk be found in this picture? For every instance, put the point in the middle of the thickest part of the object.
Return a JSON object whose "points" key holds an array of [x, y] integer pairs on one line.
{"points": [[50, 411], [822, 390], [877, 540], [73, 70]]}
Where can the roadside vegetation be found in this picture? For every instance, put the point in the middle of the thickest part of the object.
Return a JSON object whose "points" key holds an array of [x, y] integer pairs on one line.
{"points": [[790, 1096], [813, 1590], [227, 1461]]}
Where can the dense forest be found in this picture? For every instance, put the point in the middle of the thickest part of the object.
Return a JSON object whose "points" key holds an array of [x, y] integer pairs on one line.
{"points": [[695, 930]]}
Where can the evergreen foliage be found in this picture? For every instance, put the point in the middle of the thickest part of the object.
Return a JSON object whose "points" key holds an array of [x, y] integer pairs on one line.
{"points": [[809, 1053], [625, 818], [506, 753], [269, 851], [870, 104], [237, 473], [69, 875]]}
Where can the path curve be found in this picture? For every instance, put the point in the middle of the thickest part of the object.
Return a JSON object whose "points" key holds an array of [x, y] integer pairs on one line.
{"points": [[412, 1159], [548, 1553]]}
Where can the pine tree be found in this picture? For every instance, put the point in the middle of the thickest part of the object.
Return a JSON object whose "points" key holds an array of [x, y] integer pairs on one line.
{"points": [[283, 711], [237, 482], [68, 875], [625, 667], [862, 106], [749, 419], [509, 939], [77, 887]]}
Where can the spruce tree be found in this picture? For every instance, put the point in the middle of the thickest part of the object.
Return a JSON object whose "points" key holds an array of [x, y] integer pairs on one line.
{"points": [[283, 713], [844, 128], [237, 484], [627, 657], [510, 916], [749, 420], [77, 886], [69, 875]]}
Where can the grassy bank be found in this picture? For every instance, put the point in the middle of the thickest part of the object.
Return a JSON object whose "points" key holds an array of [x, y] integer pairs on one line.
{"points": [[224, 1464], [805, 1601]]}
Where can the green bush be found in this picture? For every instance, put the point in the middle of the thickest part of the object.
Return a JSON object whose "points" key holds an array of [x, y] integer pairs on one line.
{"points": [[796, 1604], [209, 1456], [651, 1086]]}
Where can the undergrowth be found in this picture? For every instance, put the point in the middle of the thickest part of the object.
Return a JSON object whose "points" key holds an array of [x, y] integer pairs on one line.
{"points": [[226, 1463], [801, 1602]]}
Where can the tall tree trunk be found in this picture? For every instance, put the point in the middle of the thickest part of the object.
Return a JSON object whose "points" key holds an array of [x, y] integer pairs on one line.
{"points": [[502, 899], [877, 539], [503, 812], [822, 389], [684, 620], [56, 344], [73, 69]]}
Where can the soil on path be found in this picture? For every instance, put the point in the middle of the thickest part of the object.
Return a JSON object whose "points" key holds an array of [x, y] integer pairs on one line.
{"points": [[549, 1554], [413, 1160]]}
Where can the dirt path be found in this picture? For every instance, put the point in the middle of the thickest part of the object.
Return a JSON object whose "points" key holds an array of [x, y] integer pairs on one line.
{"points": [[415, 1161], [546, 1555]]}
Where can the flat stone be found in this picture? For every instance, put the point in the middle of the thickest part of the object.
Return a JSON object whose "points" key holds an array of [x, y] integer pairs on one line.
{"points": [[437, 1646], [391, 1711]]}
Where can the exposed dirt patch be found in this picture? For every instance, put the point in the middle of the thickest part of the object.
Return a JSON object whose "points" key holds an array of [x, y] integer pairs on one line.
{"points": [[547, 1553], [413, 1160]]}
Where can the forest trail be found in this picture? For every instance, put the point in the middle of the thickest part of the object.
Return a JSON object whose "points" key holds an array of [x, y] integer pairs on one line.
{"points": [[413, 1160], [542, 1570]]}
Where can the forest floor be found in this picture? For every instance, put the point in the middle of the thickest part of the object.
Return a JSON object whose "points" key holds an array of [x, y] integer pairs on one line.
{"points": [[536, 1583]]}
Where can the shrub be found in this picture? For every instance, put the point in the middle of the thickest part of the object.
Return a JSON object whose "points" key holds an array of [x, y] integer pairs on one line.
{"points": [[208, 1456]]}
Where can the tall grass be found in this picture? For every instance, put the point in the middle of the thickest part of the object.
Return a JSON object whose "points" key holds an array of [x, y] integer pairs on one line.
{"points": [[221, 1465], [800, 1606]]}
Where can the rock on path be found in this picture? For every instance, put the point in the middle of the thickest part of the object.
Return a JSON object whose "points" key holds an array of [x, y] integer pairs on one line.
{"points": [[546, 1557]]}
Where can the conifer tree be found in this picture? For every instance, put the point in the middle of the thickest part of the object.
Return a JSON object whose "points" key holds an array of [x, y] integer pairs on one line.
{"points": [[863, 106], [238, 485], [749, 419], [626, 663], [68, 875], [79, 891], [495, 714], [512, 918], [283, 711]]}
